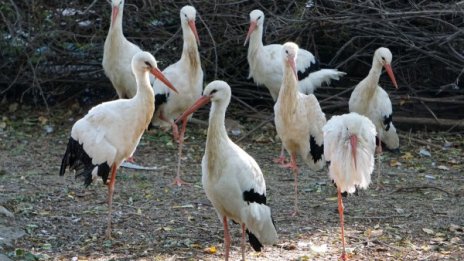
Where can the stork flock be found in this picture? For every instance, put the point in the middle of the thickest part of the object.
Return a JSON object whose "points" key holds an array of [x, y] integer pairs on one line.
{"points": [[231, 178]]}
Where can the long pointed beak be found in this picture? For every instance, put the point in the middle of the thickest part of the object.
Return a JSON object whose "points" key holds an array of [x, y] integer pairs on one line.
{"points": [[114, 14], [197, 105], [252, 27], [292, 64], [191, 23], [390, 73], [159, 75], [354, 146]]}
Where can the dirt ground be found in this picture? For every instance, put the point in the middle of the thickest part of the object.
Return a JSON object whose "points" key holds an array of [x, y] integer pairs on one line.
{"points": [[415, 211]]}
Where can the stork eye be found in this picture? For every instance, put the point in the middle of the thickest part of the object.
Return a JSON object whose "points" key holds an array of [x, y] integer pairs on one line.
{"points": [[383, 58], [148, 64], [185, 15], [213, 91], [286, 51]]}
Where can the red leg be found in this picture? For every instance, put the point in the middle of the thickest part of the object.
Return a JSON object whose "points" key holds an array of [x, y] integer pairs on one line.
{"points": [[177, 180], [294, 168], [226, 238], [281, 159], [379, 162], [243, 241], [340, 212], [110, 199], [175, 130]]}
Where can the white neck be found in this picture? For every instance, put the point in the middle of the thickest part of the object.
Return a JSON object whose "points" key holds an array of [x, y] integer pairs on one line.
{"points": [[190, 52], [256, 41], [116, 27], [289, 90], [145, 94]]}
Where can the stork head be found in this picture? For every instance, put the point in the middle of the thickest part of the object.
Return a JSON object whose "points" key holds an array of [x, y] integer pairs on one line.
{"points": [[188, 15], [145, 62], [289, 55], [383, 56], [358, 131], [216, 92], [117, 6], [256, 21]]}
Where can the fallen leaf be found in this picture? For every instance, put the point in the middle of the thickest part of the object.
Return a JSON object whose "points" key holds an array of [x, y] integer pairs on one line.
{"points": [[43, 120], [455, 240], [318, 249], [210, 250], [407, 156], [394, 163], [443, 167], [428, 231], [376, 233]]}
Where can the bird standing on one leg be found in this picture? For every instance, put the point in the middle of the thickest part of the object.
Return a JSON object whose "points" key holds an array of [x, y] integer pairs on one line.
{"points": [[187, 75], [232, 179], [298, 119], [111, 131], [370, 100], [349, 145]]}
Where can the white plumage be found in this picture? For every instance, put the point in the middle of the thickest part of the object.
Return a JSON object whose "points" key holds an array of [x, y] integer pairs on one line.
{"points": [[187, 75], [298, 118], [111, 131], [343, 169], [349, 145], [118, 53], [370, 100], [266, 66], [232, 179]]}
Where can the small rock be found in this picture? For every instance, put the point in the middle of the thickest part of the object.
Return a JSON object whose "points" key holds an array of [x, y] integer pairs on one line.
{"points": [[6, 212], [424, 152]]}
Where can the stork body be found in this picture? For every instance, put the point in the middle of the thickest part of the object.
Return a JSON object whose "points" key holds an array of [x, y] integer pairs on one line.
{"points": [[232, 179], [298, 119], [349, 145], [118, 53], [111, 131], [187, 75], [372, 101]]}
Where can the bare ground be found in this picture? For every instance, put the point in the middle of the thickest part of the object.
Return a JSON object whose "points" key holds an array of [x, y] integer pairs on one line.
{"points": [[415, 212]]}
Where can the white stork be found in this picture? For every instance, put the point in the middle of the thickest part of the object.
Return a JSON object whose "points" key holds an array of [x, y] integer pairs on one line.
{"points": [[111, 131], [349, 145], [187, 75], [298, 119], [118, 53], [232, 179], [266, 66], [370, 100]]}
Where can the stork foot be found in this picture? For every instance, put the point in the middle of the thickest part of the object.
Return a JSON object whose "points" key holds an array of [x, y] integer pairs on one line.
{"points": [[280, 160], [343, 257], [179, 182]]}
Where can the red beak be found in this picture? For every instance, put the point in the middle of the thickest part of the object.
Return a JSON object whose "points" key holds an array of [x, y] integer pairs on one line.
{"points": [[390, 73], [159, 75], [191, 23], [253, 26], [114, 14], [197, 105], [292, 64], [354, 146]]}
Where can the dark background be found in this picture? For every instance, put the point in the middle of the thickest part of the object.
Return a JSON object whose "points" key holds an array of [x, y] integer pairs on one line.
{"points": [[51, 51]]}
